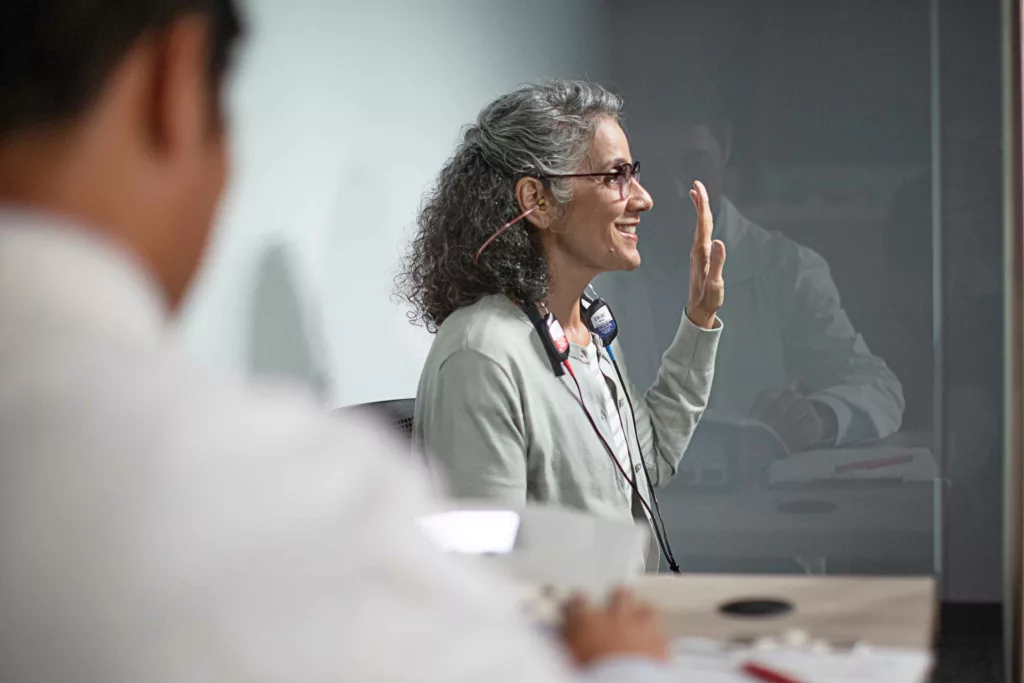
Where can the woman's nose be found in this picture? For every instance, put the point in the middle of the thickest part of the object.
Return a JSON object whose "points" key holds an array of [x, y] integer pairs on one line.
{"points": [[639, 198]]}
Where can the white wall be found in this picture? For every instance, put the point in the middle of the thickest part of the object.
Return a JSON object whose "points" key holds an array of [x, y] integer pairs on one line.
{"points": [[343, 114]]}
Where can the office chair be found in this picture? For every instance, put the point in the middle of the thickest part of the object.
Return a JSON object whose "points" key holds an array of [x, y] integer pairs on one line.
{"points": [[397, 414]]}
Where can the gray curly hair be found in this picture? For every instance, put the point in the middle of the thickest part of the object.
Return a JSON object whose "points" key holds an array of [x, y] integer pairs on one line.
{"points": [[538, 131]]}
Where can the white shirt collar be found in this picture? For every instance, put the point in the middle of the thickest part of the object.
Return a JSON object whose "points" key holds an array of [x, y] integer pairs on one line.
{"points": [[59, 272]]}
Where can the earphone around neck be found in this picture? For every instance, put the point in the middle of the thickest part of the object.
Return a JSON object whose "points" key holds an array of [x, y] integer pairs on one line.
{"points": [[600, 321], [598, 318], [552, 336]]}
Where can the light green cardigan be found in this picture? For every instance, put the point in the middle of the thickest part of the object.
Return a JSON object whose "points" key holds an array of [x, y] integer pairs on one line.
{"points": [[498, 424]]}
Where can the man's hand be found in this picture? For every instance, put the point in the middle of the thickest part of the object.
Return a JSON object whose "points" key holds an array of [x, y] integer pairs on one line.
{"points": [[707, 288], [800, 422], [624, 628]]}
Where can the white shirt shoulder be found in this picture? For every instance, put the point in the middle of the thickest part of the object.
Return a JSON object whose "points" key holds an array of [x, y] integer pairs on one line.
{"points": [[161, 521]]}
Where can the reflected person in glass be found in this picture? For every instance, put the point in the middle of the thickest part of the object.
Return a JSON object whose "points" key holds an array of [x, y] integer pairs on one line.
{"points": [[540, 197], [791, 358]]}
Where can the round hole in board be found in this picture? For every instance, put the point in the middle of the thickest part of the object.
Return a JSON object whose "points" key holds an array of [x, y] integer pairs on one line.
{"points": [[756, 608], [806, 507]]}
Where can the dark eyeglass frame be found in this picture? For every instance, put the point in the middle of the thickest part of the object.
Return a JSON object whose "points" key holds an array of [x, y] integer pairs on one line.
{"points": [[625, 172]]}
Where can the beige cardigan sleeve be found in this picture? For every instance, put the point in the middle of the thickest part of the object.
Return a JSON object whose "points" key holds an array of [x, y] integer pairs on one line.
{"points": [[477, 435], [668, 413]]}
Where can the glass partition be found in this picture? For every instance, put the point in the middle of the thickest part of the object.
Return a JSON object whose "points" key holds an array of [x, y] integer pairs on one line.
{"points": [[853, 152]]}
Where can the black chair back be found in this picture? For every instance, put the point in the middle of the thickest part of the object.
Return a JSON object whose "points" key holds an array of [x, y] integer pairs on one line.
{"points": [[397, 414]]}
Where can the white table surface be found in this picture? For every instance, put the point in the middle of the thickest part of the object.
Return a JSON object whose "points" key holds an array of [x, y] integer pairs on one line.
{"points": [[885, 612]]}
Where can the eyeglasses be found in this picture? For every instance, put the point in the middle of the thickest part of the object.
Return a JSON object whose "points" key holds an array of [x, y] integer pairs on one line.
{"points": [[624, 174]]}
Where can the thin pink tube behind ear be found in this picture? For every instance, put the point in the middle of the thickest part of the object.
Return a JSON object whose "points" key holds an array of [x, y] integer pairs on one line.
{"points": [[476, 256]]}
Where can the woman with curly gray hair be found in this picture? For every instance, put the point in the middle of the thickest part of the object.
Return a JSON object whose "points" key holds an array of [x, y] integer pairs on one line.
{"points": [[521, 398]]}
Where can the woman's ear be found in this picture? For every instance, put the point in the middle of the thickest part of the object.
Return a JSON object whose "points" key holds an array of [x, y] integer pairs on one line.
{"points": [[533, 197]]}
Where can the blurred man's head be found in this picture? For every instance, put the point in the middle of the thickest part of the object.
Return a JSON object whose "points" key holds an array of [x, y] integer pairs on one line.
{"points": [[111, 113], [704, 136], [705, 156]]}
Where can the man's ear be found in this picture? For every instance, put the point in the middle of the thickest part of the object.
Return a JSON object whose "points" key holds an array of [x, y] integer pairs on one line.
{"points": [[181, 92], [533, 196]]}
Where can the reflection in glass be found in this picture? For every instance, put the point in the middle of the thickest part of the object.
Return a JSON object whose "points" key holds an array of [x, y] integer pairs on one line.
{"points": [[810, 126]]}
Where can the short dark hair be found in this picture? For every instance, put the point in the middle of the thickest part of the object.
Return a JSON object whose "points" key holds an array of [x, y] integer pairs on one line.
{"points": [[57, 55]]}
